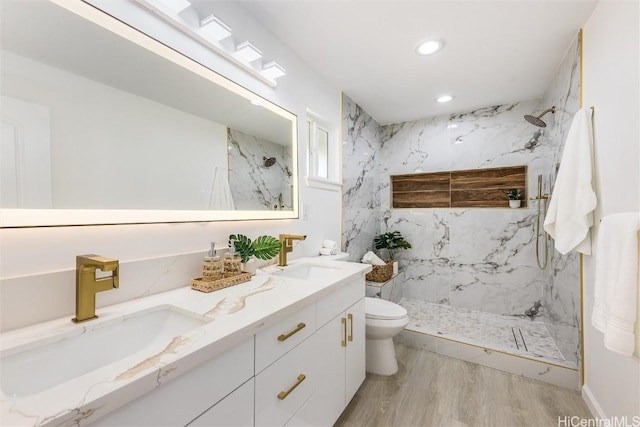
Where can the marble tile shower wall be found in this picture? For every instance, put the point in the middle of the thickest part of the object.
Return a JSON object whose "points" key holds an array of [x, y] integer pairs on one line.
{"points": [[561, 302], [253, 185], [361, 180], [479, 259]]}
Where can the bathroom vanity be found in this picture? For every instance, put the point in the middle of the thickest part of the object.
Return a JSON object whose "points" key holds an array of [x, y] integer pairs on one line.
{"points": [[286, 348]]}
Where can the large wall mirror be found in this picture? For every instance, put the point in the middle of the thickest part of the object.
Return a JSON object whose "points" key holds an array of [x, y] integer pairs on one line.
{"points": [[102, 124]]}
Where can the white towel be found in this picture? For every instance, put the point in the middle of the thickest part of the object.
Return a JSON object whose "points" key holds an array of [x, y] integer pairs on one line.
{"points": [[329, 244], [570, 213], [371, 258], [329, 247], [220, 196], [616, 288]]}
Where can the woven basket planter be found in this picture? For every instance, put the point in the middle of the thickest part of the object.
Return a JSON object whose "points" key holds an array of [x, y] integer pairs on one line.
{"points": [[381, 273]]}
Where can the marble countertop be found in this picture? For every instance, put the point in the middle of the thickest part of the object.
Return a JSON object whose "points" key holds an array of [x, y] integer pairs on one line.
{"points": [[233, 314]]}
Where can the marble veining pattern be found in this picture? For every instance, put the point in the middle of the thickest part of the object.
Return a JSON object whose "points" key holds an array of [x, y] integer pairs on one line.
{"points": [[484, 329], [561, 292], [254, 185], [234, 315], [480, 259], [361, 180]]}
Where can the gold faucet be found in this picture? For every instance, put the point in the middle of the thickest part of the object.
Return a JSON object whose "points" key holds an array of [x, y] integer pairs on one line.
{"points": [[87, 285], [287, 246]]}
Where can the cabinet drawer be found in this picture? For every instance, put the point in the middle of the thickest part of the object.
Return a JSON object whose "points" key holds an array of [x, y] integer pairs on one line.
{"points": [[278, 339], [337, 302], [286, 375], [235, 410], [181, 400]]}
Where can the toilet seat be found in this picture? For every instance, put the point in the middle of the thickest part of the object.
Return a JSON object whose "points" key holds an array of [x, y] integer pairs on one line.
{"points": [[376, 308]]}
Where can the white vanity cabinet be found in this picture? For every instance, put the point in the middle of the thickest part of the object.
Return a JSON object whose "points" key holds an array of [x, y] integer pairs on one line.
{"points": [[185, 398], [332, 361], [340, 367], [340, 342], [301, 370], [235, 410]]}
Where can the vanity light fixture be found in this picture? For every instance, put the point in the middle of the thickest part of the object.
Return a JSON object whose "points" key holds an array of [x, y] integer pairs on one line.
{"points": [[215, 35], [428, 47], [248, 52], [175, 6], [272, 70], [212, 27], [444, 98]]}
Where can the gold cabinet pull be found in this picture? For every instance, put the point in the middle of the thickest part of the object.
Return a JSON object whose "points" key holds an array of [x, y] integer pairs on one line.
{"points": [[344, 332], [297, 329], [350, 317], [283, 394]]}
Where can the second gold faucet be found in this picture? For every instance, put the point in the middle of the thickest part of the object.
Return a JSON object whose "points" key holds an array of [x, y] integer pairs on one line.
{"points": [[287, 246]]}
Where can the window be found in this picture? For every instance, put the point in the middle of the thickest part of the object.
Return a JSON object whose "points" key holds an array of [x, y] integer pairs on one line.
{"points": [[318, 159], [322, 153]]}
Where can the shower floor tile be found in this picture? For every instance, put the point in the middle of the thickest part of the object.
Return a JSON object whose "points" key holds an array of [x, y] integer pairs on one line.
{"points": [[509, 334]]}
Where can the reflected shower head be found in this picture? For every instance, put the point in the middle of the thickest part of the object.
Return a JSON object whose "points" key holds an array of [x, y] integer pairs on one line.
{"points": [[536, 121], [269, 161]]}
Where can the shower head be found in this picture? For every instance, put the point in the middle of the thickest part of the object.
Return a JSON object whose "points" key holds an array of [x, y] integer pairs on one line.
{"points": [[269, 161], [536, 121]]}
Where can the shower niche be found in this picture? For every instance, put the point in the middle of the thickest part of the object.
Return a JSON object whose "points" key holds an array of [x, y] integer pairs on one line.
{"points": [[475, 188]]}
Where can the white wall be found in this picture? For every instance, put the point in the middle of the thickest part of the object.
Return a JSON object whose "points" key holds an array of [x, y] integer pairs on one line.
{"points": [[610, 83], [30, 251], [100, 136]]}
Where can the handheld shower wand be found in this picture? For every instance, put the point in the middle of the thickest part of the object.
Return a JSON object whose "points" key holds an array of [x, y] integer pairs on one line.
{"points": [[542, 198]]}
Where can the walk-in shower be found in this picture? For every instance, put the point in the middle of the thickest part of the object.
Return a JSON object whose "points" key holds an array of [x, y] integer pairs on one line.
{"points": [[537, 120]]}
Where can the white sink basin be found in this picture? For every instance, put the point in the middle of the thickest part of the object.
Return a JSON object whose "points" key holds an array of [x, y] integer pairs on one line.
{"points": [[307, 271], [47, 364]]}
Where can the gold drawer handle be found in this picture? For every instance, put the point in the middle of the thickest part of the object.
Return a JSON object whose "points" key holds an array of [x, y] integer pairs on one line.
{"points": [[344, 331], [350, 317], [283, 394], [297, 329]]}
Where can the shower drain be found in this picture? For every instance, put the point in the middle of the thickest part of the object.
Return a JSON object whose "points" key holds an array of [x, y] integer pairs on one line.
{"points": [[519, 338]]}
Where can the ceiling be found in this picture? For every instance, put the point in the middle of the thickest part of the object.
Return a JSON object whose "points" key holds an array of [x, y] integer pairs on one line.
{"points": [[494, 51]]}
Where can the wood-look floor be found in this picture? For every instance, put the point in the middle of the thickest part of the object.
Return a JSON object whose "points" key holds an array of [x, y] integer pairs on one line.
{"points": [[434, 390]]}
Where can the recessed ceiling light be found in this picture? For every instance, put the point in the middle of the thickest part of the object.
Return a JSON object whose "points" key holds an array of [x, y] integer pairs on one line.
{"points": [[428, 47], [444, 98]]}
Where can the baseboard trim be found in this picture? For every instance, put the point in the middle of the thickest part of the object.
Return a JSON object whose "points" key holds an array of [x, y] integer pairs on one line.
{"points": [[592, 403]]}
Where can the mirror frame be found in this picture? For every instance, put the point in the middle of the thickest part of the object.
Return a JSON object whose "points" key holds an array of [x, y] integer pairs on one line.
{"points": [[13, 218]]}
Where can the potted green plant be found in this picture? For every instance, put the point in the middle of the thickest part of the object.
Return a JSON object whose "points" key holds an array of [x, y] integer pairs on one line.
{"points": [[263, 247], [391, 241], [515, 197]]}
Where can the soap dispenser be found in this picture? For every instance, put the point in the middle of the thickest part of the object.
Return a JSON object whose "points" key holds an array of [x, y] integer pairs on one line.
{"points": [[212, 265]]}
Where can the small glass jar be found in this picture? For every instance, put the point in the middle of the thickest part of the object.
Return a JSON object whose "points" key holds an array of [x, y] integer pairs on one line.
{"points": [[232, 263]]}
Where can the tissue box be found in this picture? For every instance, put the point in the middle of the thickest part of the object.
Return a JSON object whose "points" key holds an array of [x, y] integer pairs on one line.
{"points": [[381, 273]]}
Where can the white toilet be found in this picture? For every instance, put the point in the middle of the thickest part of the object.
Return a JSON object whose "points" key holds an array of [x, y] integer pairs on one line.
{"points": [[384, 320]]}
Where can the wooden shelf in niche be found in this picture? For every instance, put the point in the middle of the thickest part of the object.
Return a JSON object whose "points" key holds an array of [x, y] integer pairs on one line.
{"points": [[421, 190], [480, 188]]}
